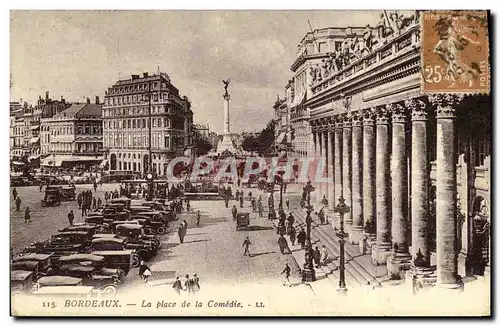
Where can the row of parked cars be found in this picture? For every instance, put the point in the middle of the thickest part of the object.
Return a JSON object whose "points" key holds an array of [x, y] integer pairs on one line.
{"points": [[93, 257]]}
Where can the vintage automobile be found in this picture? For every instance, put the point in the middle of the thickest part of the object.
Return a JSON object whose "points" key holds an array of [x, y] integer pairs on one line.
{"points": [[124, 260], [135, 233], [82, 275], [242, 221], [136, 209], [53, 196], [122, 200], [43, 263], [21, 281], [68, 193], [115, 212], [62, 243], [93, 260], [27, 266], [90, 229], [143, 251]]}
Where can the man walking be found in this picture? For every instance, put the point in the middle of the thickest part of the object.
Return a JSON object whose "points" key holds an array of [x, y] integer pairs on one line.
{"points": [[282, 244], [18, 204], [234, 212], [71, 217], [316, 256], [188, 284], [196, 283], [27, 215], [286, 271], [293, 234], [246, 245], [177, 286], [301, 238], [14, 193], [241, 201], [261, 209], [79, 199], [321, 216], [198, 217], [287, 203]]}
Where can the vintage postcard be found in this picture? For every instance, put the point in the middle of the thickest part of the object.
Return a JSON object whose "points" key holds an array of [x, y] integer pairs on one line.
{"points": [[250, 163]]}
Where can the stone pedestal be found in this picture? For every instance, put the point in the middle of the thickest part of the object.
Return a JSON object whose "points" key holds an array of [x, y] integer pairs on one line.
{"points": [[398, 263], [380, 252]]}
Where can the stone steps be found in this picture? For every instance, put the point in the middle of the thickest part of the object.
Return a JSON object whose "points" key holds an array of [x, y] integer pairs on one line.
{"points": [[359, 269]]}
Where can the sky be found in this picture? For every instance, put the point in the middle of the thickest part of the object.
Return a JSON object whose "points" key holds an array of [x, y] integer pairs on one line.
{"points": [[79, 54]]}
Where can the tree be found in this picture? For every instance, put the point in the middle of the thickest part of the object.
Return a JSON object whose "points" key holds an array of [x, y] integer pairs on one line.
{"points": [[202, 146]]}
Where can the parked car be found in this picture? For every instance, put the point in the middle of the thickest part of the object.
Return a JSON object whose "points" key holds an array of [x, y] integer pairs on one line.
{"points": [[142, 250], [93, 260], [68, 193], [21, 281], [124, 260], [53, 196]]}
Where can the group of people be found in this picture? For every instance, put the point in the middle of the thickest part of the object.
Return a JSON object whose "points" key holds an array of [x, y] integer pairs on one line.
{"points": [[87, 201], [191, 284]]}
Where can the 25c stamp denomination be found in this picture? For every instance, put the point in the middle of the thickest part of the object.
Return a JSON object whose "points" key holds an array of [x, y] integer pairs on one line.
{"points": [[455, 52]]}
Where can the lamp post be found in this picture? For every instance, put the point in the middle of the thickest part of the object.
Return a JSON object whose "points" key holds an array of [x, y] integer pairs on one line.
{"points": [[342, 209], [308, 273]]}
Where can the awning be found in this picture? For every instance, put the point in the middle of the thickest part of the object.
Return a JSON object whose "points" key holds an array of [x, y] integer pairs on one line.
{"points": [[81, 158], [281, 137], [35, 127], [17, 163], [34, 140], [33, 157], [103, 163]]}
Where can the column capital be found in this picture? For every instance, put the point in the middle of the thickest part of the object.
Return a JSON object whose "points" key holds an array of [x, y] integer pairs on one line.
{"points": [[338, 122], [347, 122], [399, 113], [382, 116], [445, 104], [418, 109], [357, 119], [368, 117]]}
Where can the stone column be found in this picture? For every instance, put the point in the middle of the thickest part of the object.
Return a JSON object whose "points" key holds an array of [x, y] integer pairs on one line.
{"points": [[357, 180], [319, 154], [419, 190], [382, 248], [369, 207], [331, 188], [400, 260], [337, 170], [347, 169], [446, 190], [325, 157]]}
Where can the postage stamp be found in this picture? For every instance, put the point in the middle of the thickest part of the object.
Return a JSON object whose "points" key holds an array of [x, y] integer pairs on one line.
{"points": [[455, 52]]}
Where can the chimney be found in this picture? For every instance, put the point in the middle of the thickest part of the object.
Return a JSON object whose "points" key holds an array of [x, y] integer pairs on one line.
{"points": [[134, 77], [97, 100], [145, 74], [47, 95], [88, 100], [63, 100]]}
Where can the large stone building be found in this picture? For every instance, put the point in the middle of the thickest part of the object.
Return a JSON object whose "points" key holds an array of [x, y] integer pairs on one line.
{"points": [[73, 137], [16, 132], [126, 123], [44, 109], [415, 170]]}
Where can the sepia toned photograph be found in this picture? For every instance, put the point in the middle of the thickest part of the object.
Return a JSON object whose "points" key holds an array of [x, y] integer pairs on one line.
{"points": [[250, 163]]}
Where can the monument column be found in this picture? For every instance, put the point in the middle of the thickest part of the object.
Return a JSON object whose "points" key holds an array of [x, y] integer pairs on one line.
{"points": [[446, 190], [400, 259], [382, 248], [369, 206], [347, 169], [338, 166], [226, 113], [357, 180]]}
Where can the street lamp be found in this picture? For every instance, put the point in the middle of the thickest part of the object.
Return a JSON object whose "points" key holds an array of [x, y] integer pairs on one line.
{"points": [[308, 274], [342, 209]]}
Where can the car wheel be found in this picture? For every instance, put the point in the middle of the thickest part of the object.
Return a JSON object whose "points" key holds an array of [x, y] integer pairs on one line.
{"points": [[136, 261], [109, 290], [161, 230]]}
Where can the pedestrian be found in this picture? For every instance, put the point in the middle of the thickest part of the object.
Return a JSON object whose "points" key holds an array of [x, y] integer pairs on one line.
{"points": [[286, 271], [241, 201], [71, 217], [261, 210], [239, 182], [321, 216], [246, 245], [99, 202], [288, 226], [40, 187], [282, 244], [254, 206], [27, 215], [234, 212], [84, 209], [301, 238], [237, 195], [198, 217], [196, 283], [95, 186], [293, 234], [94, 203], [287, 203], [144, 272], [188, 286], [324, 255], [182, 232], [250, 195], [18, 203], [14, 193], [177, 285], [79, 199], [317, 256]]}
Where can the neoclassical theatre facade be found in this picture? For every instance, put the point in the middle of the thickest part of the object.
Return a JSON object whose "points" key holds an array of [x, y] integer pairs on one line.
{"points": [[415, 169]]}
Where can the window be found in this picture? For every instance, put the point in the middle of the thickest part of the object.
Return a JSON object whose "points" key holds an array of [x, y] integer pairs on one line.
{"points": [[322, 47], [159, 122], [144, 123], [128, 124], [133, 123], [338, 45], [154, 122], [159, 141]]}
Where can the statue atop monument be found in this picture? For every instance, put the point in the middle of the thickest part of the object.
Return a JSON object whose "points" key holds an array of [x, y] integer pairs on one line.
{"points": [[226, 85]]}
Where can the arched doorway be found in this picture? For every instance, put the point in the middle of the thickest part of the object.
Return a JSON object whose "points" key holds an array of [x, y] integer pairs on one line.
{"points": [[480, 226], [112, 160]]}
